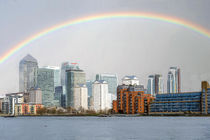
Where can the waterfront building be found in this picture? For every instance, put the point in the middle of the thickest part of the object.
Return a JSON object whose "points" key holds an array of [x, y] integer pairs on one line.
{"points": [[155, 84], [8, 105], [27, 109], [80, 97], [47, 81], [174, 80], [131, 99], [1, 100], [100, 93], [182, 103], [89, 87], [35, 96], [74, 77], [112, 81], [130, 80], [28, 67]]}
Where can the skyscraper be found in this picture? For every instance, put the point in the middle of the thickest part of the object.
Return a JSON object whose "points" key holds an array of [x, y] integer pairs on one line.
{"points": [[112, 81], [130, 80], [155, 84], [28, 67], [74, 77], [174, 80], [48, 79], [65, 66]]}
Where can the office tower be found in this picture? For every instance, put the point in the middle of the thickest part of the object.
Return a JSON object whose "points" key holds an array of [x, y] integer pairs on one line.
{"points": [[65, 66], [35, 96], [28, 67], [58, 95], [112, 81], [89, 87], [80, 97], [47, 81], [130, 80], [74, 77], [155, 84], [100, 93], [174, 80]]}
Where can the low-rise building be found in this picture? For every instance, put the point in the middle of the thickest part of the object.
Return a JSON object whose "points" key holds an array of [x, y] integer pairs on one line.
{"points": [[27, 109]]}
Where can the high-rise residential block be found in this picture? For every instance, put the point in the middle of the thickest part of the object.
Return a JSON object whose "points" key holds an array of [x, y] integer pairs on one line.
{"points": [[28, 67], [100, 95], [174, 80], [155, 84], [80, 97]]}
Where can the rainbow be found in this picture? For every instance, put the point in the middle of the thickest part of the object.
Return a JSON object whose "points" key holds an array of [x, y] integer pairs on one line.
{"points": [[149, 16]]}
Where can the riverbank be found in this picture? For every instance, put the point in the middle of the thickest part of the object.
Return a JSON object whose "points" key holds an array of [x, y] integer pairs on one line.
{"points": [[109, 115]]}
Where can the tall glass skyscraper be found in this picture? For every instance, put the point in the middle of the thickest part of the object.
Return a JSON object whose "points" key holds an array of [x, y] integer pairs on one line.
{"points": [[64, 67], [28, 67], [112, 81], [48, 79], [174, 80], [74, 77], [155, 84]]}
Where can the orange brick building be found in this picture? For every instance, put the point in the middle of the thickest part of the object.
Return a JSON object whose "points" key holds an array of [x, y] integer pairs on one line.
{"points": [[131, 100]]}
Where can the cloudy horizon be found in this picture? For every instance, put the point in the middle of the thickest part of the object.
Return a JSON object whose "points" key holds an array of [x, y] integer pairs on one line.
{"points": [[123, 46]]}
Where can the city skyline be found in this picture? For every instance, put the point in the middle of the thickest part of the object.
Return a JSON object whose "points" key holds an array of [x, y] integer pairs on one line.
{"points": [[125, 46]]}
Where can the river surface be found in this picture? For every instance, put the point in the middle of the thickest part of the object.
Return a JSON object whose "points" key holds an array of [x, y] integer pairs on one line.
{"points": [[105, 128]]}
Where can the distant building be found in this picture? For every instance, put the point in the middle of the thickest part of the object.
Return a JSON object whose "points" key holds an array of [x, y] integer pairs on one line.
{"points": [[130, 80], [28, 67], [174, 80], [80, 97], [64, 67], [59, 94], [89, 87], [100, 95], [35, 96], [155, 84], [74, 77], [47, 81], [112, 81]]}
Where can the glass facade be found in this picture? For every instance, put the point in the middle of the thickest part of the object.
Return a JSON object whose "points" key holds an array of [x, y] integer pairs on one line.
{"points": [[47, 81], [74, 78], [28, 67], [112, 81]]}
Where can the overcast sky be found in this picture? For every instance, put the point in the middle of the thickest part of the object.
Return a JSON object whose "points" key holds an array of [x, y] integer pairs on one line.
{"points": [[124, 46]]}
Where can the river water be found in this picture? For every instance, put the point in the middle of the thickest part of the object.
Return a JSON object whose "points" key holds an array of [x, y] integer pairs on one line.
{"points": [[105, 128]]}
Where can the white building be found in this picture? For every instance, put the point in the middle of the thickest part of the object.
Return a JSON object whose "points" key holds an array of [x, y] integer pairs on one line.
{"points": [[35, 96], [100, 95], [130, 80], [80, 97]]}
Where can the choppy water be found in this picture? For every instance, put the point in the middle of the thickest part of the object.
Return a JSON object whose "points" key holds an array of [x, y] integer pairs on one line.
{"points": [[98, 128]]}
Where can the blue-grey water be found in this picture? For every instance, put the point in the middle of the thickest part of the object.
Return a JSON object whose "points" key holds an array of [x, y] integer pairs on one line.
{"points": [[107, 128]]}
